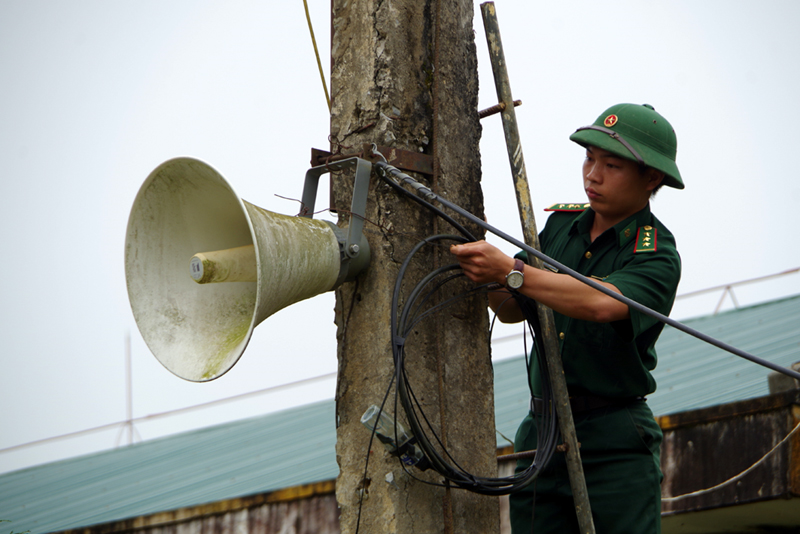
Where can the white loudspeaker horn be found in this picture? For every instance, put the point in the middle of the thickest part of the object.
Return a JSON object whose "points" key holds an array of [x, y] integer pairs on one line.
{"points": [[187, 231]]}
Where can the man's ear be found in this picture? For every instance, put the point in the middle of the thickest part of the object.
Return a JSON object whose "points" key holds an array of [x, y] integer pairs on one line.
{"points": [[654, 178]]}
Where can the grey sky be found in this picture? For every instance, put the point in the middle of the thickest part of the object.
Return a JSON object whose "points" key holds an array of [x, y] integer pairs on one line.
{"points": [[95, 95]]}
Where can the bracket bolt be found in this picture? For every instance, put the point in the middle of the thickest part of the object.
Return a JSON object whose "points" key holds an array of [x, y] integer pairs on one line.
{"points": [[353, 248]]}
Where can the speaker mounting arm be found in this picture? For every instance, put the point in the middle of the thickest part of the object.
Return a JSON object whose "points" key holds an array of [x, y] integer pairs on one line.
{"points": [[353, 247]]}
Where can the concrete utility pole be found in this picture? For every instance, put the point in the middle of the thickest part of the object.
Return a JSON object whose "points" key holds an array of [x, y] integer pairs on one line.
{"points": [[404, 75]]}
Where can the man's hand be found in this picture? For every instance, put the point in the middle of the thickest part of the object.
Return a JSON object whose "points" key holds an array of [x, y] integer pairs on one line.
{"points": [[483, 263]]}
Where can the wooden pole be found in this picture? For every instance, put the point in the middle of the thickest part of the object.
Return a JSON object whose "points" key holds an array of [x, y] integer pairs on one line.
{"points": [[531, 236]]}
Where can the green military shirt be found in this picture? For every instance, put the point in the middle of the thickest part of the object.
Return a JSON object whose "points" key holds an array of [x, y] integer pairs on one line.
{"points": [[638, 256]]}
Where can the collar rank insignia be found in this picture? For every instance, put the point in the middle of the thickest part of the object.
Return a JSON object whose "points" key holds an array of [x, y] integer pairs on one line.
{"points": [[568, 207], [645, 240]]}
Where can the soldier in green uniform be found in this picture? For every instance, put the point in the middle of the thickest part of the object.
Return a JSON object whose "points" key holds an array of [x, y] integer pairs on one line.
{"points": [[607, 348]]}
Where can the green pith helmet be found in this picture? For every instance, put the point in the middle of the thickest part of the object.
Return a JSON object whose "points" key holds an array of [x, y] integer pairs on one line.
{"points": [[636, 133]]}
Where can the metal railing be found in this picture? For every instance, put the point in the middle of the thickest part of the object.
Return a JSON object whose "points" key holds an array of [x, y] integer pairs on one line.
{"points": [[727, 289]]}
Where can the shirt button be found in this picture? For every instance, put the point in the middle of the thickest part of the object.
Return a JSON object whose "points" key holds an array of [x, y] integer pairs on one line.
{"points": [[588, 255], [561, 335]]}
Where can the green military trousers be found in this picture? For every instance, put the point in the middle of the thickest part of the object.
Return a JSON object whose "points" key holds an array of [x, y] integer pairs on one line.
{"points": [[620, 451]]}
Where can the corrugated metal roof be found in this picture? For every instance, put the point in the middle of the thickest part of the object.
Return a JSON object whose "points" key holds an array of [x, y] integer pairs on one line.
{"points": [[692, 374], [278, 450], [217, 463]]}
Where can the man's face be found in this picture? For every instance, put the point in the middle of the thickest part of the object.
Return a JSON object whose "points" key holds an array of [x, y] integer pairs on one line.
{"points": [[616, 187]]}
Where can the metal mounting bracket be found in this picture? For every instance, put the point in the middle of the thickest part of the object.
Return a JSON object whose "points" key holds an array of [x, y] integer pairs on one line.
{"points": [[353, 247]]}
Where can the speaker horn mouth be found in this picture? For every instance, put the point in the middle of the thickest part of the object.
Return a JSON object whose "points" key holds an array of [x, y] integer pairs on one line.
{"points": [[199, 331]]}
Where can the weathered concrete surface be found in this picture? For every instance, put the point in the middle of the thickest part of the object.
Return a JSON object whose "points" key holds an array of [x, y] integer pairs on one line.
{"points": [[383, 91]]}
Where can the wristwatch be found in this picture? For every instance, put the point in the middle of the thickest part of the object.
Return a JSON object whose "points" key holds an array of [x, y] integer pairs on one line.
{"points": [[516, 277]]}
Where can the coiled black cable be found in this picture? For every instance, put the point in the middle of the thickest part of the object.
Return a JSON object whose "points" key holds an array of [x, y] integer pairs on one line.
{"points": [[404, 317], [412, 312]]}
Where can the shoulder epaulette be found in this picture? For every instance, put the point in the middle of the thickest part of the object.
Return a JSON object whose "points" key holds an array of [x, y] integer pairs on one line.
{"points": [[646, 240], [568, 207]]}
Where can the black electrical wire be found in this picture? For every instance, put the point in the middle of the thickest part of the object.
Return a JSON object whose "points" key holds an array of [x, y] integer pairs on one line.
{"points": [[403, 320], [402, 325], [455, 224], [384, 169], [364, 490], [414, 310]]}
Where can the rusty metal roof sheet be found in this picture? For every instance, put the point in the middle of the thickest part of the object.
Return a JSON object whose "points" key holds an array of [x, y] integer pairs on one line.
{"points": [[278, 450]]}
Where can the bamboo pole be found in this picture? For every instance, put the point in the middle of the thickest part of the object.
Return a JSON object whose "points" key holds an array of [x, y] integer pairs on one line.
{"points": [[531, 236]]}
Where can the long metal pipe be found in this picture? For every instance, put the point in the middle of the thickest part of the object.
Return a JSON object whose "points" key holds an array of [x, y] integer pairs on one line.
{"points": [[428, 195]]}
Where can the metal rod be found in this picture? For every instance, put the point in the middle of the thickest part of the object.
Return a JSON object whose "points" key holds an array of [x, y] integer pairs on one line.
{"points": [[524, 455], [497, 108], [551, 347], [737, 284], [430, 196]]}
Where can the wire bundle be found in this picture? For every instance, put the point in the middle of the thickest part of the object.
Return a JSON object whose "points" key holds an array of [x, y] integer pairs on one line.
{"points": [[419, 305], [412, 312]]}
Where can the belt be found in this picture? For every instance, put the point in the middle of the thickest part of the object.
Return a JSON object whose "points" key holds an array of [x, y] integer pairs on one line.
{"points": [[586, 403]]}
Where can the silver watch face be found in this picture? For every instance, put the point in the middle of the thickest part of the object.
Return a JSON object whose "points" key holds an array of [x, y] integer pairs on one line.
{"points": [[514, 279]]}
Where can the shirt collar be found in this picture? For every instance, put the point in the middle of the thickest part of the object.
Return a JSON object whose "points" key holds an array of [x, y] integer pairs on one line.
{"points": [[624, 230]]}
